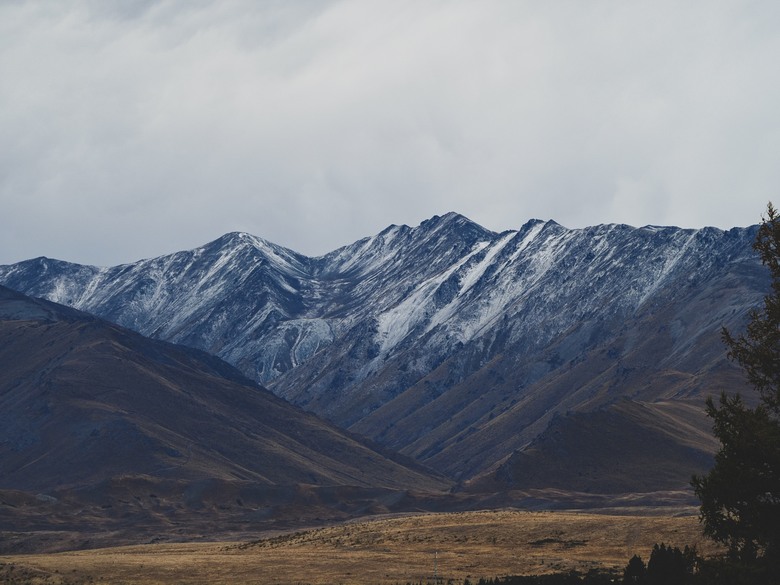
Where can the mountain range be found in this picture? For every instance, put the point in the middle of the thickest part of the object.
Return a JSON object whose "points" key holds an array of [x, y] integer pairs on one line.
{"points": [[100, 426], [459, 347]]}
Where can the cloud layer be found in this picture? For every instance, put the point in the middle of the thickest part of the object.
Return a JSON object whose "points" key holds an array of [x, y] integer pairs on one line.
{"points": [[136, 131]]}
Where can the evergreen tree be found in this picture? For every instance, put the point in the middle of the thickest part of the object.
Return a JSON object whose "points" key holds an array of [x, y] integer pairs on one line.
{"points": [[669, 566], [740, 496], [635, 572], [758, 350]]}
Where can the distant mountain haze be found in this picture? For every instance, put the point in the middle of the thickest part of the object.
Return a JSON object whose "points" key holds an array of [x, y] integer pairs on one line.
{"points": [[448, 342]]}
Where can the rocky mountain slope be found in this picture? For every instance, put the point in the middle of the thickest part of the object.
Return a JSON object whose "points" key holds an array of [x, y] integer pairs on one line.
{"points": [[109, 438], [625, 447], [446, 341], [83, 401]]}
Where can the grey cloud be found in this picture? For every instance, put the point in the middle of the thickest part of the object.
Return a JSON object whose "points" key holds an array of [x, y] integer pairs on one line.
{"points": [[132, 132]]}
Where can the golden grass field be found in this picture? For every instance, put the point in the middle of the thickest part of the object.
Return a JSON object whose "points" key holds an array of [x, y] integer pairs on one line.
{"points": [[382, 551]]}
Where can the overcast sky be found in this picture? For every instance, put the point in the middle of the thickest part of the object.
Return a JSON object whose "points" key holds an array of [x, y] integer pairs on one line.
{"points": [[155, 126]]}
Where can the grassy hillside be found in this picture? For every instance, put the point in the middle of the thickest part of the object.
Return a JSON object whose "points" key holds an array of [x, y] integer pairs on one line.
{"points": [[390, 550]]}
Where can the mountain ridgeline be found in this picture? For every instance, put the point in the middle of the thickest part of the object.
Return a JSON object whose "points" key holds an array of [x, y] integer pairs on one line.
{"points": [[450, 343], [108, 437], [83, 400]]}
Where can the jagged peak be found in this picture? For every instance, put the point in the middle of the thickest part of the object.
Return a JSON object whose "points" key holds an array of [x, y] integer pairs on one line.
{"points": [[533, 222], [44, 264], [390, 230], [551, 225], [452, 225], [236, 241], [655, 228], [450, 219]]}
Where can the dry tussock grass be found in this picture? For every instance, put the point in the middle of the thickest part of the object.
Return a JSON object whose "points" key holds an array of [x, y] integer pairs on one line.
{"points": [[391, 550]]}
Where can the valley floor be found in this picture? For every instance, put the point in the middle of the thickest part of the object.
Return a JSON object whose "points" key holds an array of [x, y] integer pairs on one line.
{"points": [[411, 548]]}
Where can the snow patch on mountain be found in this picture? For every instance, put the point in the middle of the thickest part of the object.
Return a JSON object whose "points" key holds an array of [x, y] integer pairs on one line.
{"points": [[418, 308], [440, 285]]}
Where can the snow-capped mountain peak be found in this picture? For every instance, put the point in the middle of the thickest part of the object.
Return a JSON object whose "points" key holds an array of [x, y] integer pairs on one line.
{"points": [[423, 337]]}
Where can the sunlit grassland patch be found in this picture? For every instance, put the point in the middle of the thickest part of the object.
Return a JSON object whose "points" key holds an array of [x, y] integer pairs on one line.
{"points": [[404, 549]]}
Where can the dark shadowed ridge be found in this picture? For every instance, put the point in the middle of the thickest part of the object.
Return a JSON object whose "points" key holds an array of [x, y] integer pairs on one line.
{"points": [[93, 416], [83, 400], [625, 447]]}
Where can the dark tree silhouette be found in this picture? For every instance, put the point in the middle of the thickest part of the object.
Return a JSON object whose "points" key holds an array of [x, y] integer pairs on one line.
{"points": [[740, 496], [635, 572], [670, 565], [758, 350]]}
